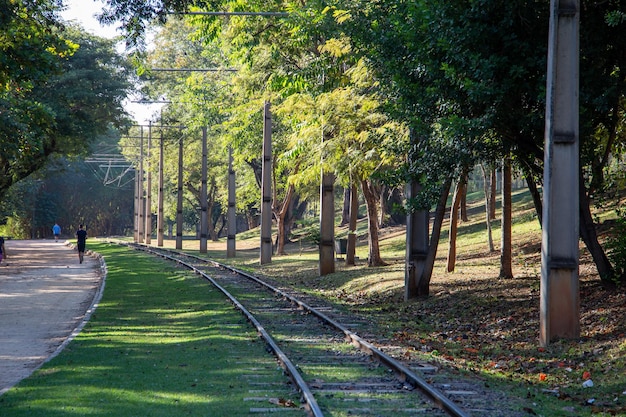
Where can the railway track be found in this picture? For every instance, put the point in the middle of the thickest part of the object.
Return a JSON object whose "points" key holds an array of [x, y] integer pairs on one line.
{"points": [[336, 371]]}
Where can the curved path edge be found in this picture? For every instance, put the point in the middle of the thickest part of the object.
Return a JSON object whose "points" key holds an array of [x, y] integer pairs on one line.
{"points": [[46, 298]]}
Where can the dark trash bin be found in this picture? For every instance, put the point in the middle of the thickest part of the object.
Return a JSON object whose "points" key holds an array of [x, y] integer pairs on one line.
{"points": [[341, 246]]}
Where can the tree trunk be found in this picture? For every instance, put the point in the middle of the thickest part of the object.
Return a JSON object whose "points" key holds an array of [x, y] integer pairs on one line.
{"points": [[395, 201], [212, 195], [492, 194], [252, 216], [354, 213], [463, 193], [280, 235], [486, 188], [371, 203], [534, 192], [590, 237], [382, 215], [280, 213], [506, 267], [423, 284], [454, 219], [345, 213]]}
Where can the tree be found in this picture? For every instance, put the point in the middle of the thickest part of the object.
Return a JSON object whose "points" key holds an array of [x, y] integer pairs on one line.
{"points": [[197, 100], [59, 94], [459, 191], [31, 51]]}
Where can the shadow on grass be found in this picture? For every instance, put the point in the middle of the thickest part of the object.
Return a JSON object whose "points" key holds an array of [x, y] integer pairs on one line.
{"points": [[161, 343]]}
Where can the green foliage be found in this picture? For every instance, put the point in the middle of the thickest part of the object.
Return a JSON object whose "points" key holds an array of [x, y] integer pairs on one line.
{"points": [[59, 89]]}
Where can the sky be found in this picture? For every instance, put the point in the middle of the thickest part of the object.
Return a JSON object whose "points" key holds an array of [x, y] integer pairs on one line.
{"points": [[83, 12]]}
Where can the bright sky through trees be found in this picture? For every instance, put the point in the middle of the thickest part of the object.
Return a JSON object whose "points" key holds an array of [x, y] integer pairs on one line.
{"points": [[84, 13]]}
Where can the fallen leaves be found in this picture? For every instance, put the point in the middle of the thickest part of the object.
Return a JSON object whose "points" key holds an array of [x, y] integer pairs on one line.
{"points": [[282, 402]]}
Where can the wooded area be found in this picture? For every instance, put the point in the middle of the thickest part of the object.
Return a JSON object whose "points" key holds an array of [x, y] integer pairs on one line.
{"points": [[377, 93]]}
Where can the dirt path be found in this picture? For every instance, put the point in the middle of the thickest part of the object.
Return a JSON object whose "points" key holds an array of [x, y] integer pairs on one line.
{"points": [[45, 294]]}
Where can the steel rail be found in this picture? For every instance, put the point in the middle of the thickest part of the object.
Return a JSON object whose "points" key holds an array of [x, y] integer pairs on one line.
{"points": [[404, 373], [311, 403]]}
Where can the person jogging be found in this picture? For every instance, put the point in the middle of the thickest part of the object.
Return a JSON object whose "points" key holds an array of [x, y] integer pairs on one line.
{"points": [[81, 241], [3, 252], [56, 231]]}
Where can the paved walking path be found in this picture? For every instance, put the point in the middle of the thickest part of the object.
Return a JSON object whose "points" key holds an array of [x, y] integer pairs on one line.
{"points": [[45, 294]]}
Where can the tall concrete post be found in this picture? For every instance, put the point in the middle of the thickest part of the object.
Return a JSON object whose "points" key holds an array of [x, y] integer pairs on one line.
{"points": [[266, 188], [232, 208], [148, 227], [136, 210], [179, 203], [141, 222], [160, 220], [559, 305], [417, 243], [354, 213], [327, 223], [204, 218]]}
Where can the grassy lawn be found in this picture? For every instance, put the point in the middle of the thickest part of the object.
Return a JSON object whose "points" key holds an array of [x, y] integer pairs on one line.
{"points": [[474, 322], [156, 346]]}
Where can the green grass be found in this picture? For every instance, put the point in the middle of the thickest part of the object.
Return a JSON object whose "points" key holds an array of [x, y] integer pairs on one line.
{"points": [[490, 325], [471, 301], [161, 343]]}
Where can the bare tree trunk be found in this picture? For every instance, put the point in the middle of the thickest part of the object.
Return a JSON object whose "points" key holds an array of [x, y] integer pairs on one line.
{"points": [[492, 194], [371, 202], [345, 213], [506, 267], [534, 192], [253, 218], [463, 193], [383, 205], [280, 213], [486, 188], [454, 219], [590, 237], [212, 195], [423, 285]]}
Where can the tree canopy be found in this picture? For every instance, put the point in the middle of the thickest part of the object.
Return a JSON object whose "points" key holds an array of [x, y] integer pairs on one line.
{"points": [[60, 88], [465, 79]]}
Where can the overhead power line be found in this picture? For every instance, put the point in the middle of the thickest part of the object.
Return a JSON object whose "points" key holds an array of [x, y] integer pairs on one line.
{"points": [[194, 69], [276, 14]]}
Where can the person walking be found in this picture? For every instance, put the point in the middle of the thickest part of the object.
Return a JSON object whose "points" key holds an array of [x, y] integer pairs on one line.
{"points": [[56, 231], [3, 252], [81, 241]]}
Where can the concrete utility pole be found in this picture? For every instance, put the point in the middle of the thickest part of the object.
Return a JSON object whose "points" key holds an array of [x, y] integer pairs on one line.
{"points": [[354, 211], [266, 188], [160, 220], [559, 307], [204, 218], [148, 228], [179, 203], [327, 223], [327, 220], [136, 212], [417, 241], [232, 208], [141, 221]]}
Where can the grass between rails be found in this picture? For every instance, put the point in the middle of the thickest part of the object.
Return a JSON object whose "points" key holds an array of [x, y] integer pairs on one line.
{"points": [[474, 322], [161, 343]]}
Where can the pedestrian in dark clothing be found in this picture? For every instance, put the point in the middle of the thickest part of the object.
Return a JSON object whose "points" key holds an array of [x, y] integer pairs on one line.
{"points": [[3, 252], [81, 238]]}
